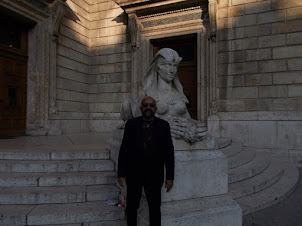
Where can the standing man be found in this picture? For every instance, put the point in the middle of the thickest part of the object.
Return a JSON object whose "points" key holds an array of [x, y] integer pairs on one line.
{"points": [[145, 152]]}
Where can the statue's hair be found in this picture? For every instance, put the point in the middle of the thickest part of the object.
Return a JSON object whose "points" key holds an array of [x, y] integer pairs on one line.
{"points": [[150, 78]]}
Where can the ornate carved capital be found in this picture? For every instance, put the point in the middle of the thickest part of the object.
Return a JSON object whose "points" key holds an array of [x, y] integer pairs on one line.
{"points": [[134, 30], [213, 20], [57, 14]]}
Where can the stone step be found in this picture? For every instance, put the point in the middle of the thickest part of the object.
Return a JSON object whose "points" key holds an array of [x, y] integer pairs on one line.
{"points": [[274, 194], [257, 183], [55, 166], [71, 152], [52, 214], [71, 194], [56, 179], [251, 169], [222, 142], [232, 149], [242, 158]]}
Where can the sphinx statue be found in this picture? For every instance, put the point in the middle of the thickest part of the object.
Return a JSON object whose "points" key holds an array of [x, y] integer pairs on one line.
{"points": [[162, 83]]}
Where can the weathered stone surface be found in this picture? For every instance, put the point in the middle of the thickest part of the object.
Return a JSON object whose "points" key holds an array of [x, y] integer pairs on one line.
{"points": [[287, 52], [294, 64], [257, 7], [258, 79], [287, 77], [294, 38], [272, 40], [272, 66], [244, 92], [271, 17], [273, 91]]}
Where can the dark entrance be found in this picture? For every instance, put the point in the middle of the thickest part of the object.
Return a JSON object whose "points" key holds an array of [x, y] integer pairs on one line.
{"points": [[13, 76], [186, 47]]}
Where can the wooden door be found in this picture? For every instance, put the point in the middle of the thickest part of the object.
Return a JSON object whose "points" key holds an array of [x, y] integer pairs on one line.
{"points": [[185, 46], [13, 77]]}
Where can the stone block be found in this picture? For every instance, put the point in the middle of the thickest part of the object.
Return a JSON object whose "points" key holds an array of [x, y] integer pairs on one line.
{"points": [[99, 41], [231, 105], [272, 91], [224, 23], [223, 3], [63, 105], [190, 167], [238, 32], [257, 7], [294, 13], [107, 68], [15, 214], [71, 75], [271, 17], [71, 85], [262, 134], [240, 2], [245, 68], [225, 57], [225, 34], [117, 39], [237, 130], [258, 30], [258, 54], [222, 13], [289, 134], [287, 52], [282, 4], [250, 43], [104, 107], [287, 78], [110, 88], [246, 20], [226, 93], [71, 95], [104, 125], [72, 64], [70, 126], [236, 11], [288, 104], [272, 41], [258, 79], [244, 92], [259, 105], [239, 56], [224, 69], [294, 64], [294, 90], [237, 44], [238, 80], [272, 66], [294, 38]]}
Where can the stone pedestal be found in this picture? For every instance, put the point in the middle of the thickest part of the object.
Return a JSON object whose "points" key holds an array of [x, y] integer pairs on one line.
{"points": [[200, 192], [199, 195]]}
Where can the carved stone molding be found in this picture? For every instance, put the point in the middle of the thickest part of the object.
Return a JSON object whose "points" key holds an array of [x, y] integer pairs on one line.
{"points": [[57, 14]]}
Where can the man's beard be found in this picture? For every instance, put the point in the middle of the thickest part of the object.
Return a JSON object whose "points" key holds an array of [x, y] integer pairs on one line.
{"points": [[148, 114]]}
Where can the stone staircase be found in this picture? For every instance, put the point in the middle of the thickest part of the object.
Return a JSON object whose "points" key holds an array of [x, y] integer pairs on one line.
{"points": [[68, 184], [256, 179], [62, 186]]}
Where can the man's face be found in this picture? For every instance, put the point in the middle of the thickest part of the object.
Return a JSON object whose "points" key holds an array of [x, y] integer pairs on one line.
{"points": [[148, 108]]}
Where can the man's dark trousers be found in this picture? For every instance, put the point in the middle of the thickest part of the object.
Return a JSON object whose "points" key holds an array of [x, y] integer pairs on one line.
{"points": [[143, 171]]}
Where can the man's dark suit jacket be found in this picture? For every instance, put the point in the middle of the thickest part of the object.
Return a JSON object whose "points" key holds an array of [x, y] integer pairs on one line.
{"points": [[131, 161]]}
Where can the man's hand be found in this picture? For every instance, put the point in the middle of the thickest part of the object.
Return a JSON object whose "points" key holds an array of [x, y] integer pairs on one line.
{"points": [[168, 185], [122, 182]]}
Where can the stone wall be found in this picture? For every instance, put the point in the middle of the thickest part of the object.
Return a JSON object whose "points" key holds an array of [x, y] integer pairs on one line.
{"points": [[260, 72], [72, 69], [110, 57], [93, 66]]}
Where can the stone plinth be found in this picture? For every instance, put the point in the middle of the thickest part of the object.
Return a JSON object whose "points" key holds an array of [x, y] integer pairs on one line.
{"points": [[199, 195]]}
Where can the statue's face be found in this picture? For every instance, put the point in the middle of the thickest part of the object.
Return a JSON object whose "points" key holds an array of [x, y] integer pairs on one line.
{"points": [[167, 70]]}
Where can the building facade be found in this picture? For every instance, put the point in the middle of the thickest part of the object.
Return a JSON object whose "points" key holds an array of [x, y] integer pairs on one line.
{"points": [[68, 65]]}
